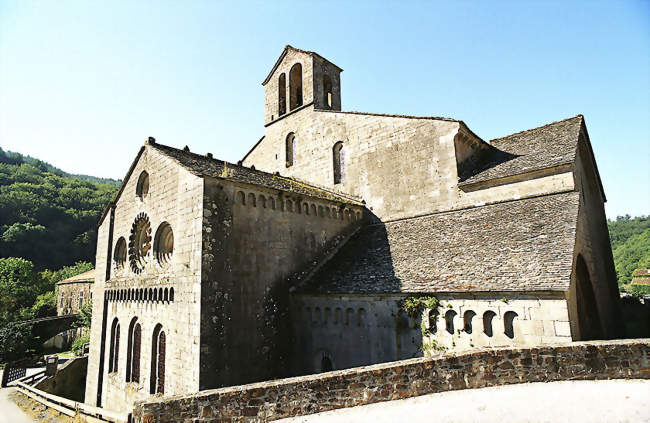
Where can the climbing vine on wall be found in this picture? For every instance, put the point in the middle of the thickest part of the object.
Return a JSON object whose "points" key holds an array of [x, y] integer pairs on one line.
{"points": [[415, 306]]}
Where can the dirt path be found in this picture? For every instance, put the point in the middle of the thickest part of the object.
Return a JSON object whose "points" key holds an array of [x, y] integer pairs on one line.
{"points": [[9, 411]]}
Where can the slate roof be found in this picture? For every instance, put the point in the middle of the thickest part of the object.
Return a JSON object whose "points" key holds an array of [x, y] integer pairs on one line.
{"points": [[524, 245], [88, 276], [206, 166], [535, 149]]}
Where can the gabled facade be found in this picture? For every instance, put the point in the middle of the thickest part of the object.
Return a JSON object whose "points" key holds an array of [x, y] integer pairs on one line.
{"points": [[298, 259]]}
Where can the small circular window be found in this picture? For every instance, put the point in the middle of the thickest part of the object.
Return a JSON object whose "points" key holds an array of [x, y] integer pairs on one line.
{"points": [[120, 253], [139, 243], [164, 243], [142, 189]]}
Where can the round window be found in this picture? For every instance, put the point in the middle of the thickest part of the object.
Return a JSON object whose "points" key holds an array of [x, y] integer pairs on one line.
{"points": [[139, 243], [164, 243]]}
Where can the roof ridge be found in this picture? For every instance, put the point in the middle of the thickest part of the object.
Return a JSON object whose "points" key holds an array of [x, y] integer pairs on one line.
{"points": [[537, 127], [463, 209], [353, 112], [260, 172]]}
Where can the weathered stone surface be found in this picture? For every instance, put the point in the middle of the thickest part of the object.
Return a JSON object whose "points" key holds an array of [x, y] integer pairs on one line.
{"points": [[329, 391]]}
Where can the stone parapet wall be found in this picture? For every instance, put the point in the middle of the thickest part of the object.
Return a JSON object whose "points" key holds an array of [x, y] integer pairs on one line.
{"points": [[260, 402]]}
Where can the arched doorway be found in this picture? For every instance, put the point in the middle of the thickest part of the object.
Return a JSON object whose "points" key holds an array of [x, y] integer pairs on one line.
{"points": [[588, 318]]}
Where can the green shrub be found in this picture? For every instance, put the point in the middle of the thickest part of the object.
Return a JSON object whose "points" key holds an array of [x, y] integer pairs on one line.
{"points": [[77, 345], [17, 341]]}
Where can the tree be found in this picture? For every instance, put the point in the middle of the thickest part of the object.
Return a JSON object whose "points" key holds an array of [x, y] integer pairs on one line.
{"points": [[20, 284]]}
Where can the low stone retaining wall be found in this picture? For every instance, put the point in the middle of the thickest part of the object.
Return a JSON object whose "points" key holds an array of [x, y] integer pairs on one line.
{"points": [[266, 401]]}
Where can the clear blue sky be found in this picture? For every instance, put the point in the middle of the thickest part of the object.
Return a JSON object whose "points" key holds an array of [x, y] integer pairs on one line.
{"points": [[82, 84]]}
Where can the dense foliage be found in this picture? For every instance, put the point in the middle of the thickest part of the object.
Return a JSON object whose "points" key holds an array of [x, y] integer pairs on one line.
{"points": [[630, 239], [26, 293], [47, 216]]}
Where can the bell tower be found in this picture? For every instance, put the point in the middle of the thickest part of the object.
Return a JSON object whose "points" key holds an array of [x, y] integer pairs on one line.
{"points": [[299, 79]]}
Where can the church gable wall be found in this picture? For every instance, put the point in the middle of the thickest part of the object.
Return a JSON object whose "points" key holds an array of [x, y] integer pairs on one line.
{"points": [[357, 330], [594, 247], [171, 197], [254, 240], [402, 167]]}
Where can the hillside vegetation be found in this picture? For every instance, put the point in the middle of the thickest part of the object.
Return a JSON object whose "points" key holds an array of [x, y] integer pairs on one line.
{"points": [[47, 216], [630, 239]]}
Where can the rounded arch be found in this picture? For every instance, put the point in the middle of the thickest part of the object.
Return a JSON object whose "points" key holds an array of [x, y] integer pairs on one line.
{"points": [[323, 361], [166, 294], [133, 352], [508, 324], [433, 316], [114, 346], [467, 321], [588, 316], [450, 315], [163, 244], [158, 350], [119, 256], [290, 149], [241, 198], [282, 94], [142, 187], [171, 294], [295, 86], [488, 316], [338, 162], [327, 91]]}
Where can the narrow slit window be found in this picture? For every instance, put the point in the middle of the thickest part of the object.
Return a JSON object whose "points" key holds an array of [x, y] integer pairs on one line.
{"points": [[290, 149], [282, 94], [337, 157]]}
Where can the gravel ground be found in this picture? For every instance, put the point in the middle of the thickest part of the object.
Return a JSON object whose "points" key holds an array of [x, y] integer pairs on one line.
{"points": [[555, 402]]}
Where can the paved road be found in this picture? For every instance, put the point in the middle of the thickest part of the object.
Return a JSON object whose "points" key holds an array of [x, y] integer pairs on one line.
{"points": [[9, 412], [556, 402]]}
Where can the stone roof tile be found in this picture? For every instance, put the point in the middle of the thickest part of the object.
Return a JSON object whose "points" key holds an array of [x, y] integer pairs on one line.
{"points": [[534, 149], [206, 166], [524, 245]]}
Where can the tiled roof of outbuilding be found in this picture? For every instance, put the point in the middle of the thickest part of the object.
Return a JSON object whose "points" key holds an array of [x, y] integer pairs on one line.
{"points": [[88, 276], [524, 245], [206, 166], [535, 149]]}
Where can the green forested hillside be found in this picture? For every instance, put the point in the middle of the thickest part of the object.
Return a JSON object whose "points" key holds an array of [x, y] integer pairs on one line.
{"points": [[47, 216], [630, 239]]}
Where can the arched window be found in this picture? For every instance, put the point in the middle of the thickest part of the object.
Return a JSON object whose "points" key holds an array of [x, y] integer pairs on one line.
{"points": [[327, 91], [488, 316], [467, 321], [142, 187], [133, 352], [163, 244], [337, 156], [326, 364], [120, 253], [282, 94], [115, 346], [508, 324], [295, 86], [290, 149], [449, 321], [361, 317], [81, 299], [157, 380], [433, 314]]}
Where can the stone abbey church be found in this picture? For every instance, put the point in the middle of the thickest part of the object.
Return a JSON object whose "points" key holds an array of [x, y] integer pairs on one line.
{"points": [[295, 260]]}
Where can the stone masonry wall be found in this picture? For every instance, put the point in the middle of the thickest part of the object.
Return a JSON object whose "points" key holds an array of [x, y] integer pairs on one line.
{"points": [[354, 330], [401, 167], [254, 239], [72, 296], [273, 400], [174, 197]]}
